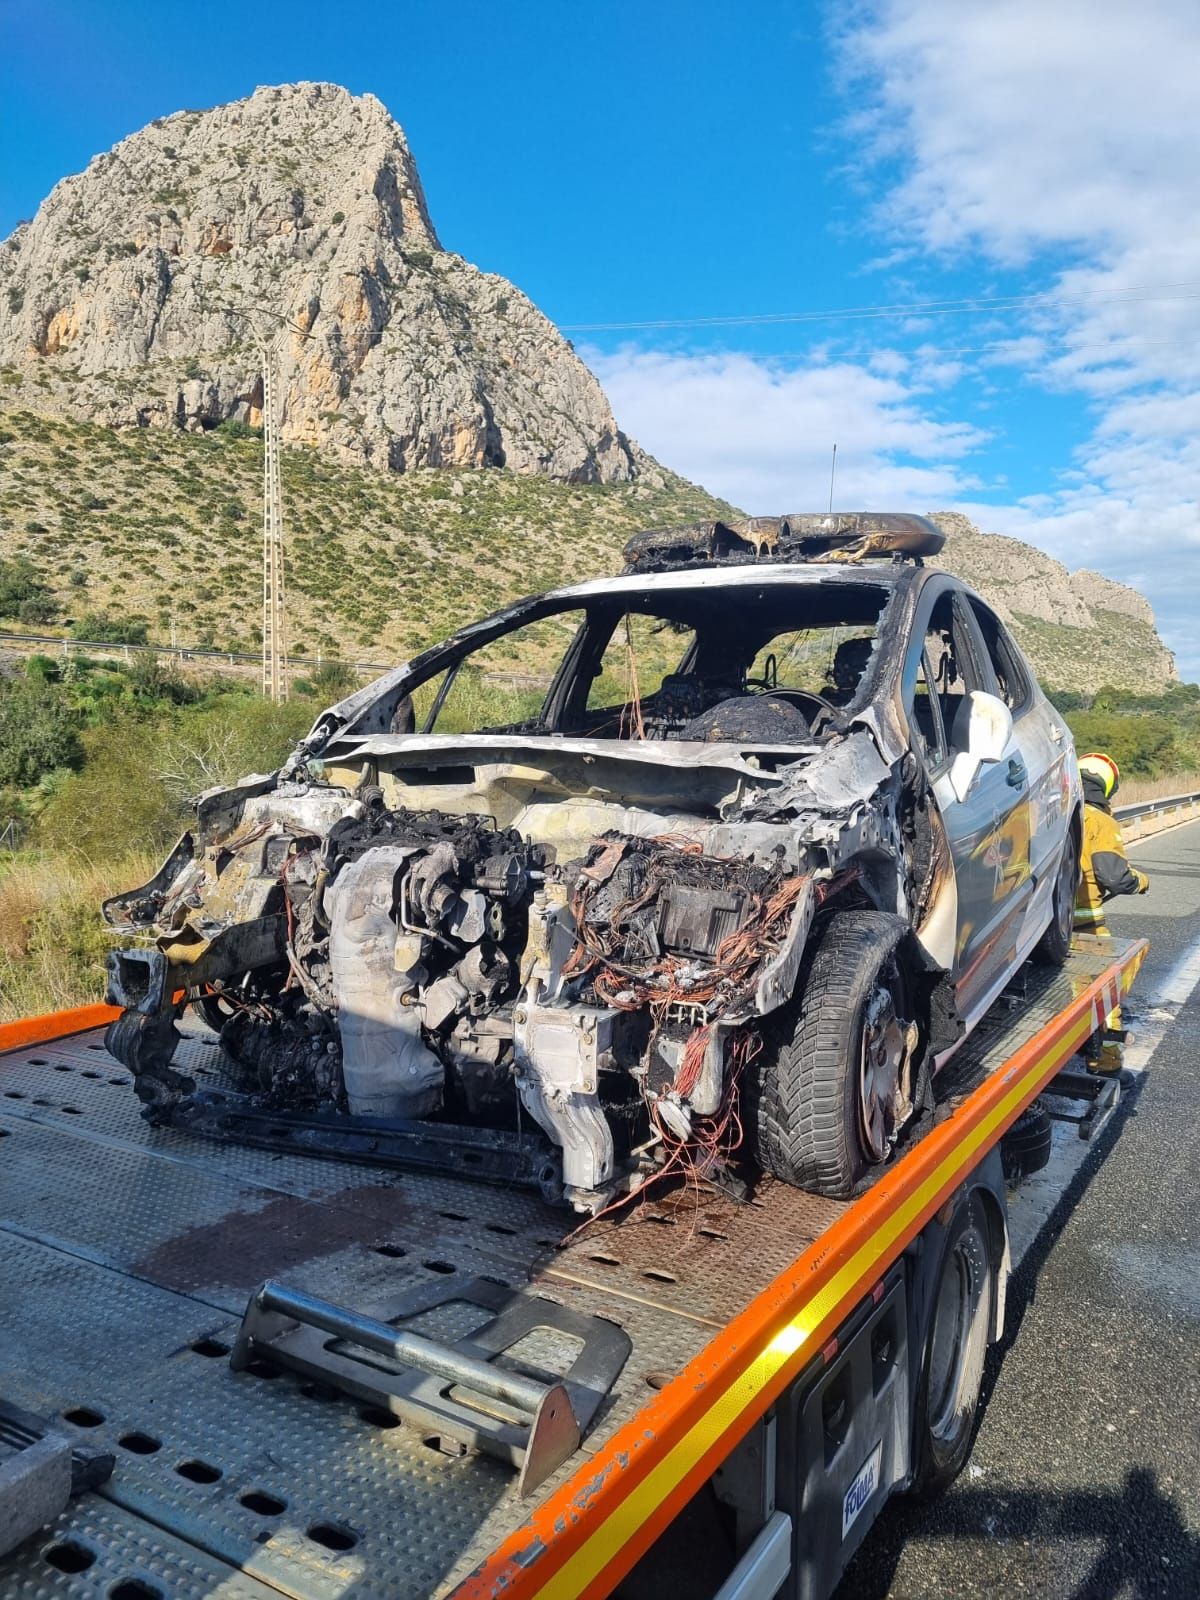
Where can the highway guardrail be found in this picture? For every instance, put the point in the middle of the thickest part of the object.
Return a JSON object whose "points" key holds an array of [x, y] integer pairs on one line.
{"points": [[179, 652], [1145, 817]]}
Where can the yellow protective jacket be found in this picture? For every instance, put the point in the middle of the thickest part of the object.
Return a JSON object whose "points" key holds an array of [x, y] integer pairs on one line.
{"points": [[1106, 870]]}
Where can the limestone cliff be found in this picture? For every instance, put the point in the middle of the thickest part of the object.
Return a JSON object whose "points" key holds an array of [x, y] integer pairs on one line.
{"points": [[136, 293]]}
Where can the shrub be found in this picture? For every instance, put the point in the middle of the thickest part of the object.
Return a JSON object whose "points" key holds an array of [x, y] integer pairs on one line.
{"points": [[117, 802], [154, 682], [1139, 744], [37, 609], [20, 585], [38, 732], [101, 628], [332, 681], [43, 668]]}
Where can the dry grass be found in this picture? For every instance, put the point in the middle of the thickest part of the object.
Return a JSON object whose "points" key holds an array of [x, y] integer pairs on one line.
{"points": [[1134, 790], [52, 939]]}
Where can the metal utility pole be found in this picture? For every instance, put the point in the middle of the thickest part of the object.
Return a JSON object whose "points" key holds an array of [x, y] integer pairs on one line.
{"points": [[275, 675], [274, 621]]}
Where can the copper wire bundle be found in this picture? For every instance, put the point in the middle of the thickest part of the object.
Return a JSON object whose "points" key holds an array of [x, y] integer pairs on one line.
{"points": [[658, 984], [675, 980]]}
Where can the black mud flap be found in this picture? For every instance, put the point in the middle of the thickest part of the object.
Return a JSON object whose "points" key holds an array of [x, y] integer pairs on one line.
{"points": [[145, 1044]]}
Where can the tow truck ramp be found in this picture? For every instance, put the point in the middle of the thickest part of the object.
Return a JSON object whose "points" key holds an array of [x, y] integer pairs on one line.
{"points": [[769, 1355]]}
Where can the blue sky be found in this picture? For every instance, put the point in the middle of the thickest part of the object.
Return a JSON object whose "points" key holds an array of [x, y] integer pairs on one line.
{"points": [[662, 162]]}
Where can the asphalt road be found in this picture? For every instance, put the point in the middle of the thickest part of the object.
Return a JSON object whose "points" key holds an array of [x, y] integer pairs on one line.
{"points": [[1084, 1483]]}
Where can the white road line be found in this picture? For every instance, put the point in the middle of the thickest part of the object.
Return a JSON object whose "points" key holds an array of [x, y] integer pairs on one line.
{"points": [[1176, 988], [1032, 1201]]}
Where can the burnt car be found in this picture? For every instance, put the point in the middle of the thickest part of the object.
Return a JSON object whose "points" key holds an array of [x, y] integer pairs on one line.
{"points": [[729, 852]]}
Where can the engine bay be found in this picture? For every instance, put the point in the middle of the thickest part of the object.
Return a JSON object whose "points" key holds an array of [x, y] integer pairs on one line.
{"points": [[419, 965]]}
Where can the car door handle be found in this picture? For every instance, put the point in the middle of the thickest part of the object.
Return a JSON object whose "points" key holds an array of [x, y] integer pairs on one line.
{"points": [[1017, 772]]}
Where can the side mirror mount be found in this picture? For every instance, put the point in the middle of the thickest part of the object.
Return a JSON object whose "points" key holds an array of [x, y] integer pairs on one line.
{"points": [[988, 730]]}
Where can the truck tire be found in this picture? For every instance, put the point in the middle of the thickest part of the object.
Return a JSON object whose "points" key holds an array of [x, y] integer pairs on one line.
{"points": [[1053, 948], [951, 1378], [1025, 1148], [821, 1107]]}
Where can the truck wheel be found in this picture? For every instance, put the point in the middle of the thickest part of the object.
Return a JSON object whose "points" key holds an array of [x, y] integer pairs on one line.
{"points": [[829, 1096], [1025, 1148], [955, 1351], [1053, 948]]}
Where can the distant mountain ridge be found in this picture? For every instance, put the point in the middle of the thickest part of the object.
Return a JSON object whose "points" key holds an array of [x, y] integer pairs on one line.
{"points": [[134, 295], [1080, 629]]}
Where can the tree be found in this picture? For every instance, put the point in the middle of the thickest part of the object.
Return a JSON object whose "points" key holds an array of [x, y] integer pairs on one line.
{"points": [[39, 732]]}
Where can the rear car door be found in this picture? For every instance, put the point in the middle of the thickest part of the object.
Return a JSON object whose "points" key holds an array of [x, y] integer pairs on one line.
{"points": [[1045, 746], [988, 830]]}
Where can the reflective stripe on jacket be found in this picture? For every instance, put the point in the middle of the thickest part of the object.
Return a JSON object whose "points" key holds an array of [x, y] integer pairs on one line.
{"points": [[1105, 869]]}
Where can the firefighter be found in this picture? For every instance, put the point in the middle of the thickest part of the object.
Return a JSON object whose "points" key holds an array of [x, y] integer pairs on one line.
{"points": [[1105, 871]]}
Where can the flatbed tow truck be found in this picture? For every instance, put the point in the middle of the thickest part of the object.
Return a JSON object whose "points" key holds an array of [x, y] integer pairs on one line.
{"points": [[761, 1375]]}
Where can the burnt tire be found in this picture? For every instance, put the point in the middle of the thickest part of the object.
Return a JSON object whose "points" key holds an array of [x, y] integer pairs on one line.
{"points": [[806, 1113], [213, 1010], [1053, 948], [1025, 1148], [955, 1353]]}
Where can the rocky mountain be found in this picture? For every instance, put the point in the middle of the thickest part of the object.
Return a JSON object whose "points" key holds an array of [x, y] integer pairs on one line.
{"points": [[1080, 629], [136, 294], [136, 298]]}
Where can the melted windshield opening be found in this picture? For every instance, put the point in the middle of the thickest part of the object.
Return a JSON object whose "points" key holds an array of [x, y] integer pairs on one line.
{"points": [[779, 664]]}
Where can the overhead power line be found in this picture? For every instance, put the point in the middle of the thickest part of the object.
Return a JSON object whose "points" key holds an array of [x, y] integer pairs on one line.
{"points": [[974, 305]]}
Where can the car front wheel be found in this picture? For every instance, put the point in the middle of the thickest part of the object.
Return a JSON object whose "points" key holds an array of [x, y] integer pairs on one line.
{"points": [[834, 1079]]}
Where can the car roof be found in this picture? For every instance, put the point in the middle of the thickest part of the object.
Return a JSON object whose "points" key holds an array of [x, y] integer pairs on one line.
{"points": [[745, 575]]}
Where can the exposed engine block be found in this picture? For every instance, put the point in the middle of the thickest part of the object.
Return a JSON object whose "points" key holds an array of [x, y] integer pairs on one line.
{"points": [[437, 966]]}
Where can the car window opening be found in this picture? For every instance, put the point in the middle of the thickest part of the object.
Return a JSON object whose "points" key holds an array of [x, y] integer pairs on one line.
{"points": [[783, 665]]}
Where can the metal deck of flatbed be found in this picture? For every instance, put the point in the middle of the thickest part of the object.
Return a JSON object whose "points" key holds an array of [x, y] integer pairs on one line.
{"points": [[126, 1258]]}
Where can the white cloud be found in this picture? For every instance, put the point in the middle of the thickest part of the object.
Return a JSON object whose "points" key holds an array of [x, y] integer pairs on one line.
{"points": [[1023, 123], [760, 433], [1024, 132], [1060, 136]]}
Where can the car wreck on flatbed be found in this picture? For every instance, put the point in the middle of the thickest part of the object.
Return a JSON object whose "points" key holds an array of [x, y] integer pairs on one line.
{"points": [[784, 814]]}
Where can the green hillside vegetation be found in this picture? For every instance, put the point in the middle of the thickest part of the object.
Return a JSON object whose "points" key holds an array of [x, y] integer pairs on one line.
{"points": [[118, 533], [97, 764], [109, 536], [1076, 656], [1149, 736]]}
